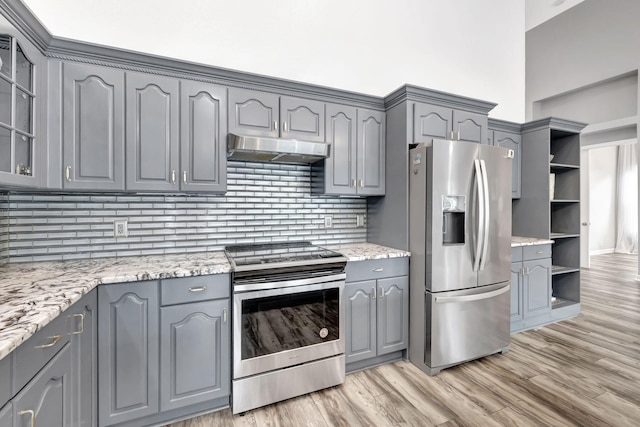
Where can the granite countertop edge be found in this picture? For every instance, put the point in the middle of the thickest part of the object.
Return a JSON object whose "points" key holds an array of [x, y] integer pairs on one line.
{"points": [[519, 241], [33, 294]]}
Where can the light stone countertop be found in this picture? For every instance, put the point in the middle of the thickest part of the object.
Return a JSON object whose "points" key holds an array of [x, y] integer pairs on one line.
{"points": [[33, 294], [517, 241]]}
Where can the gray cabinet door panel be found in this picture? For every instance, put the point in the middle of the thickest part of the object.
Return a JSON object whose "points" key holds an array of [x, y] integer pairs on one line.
{"points": [[47, 397], [512, 141], [537, 286], [152, 133], [516, 291], [195, 364], [472, 127], [340, 167], [128, 346], [253, 113], [5, 380], [431, 121], [84, 360], [93, 127], [302, 119], [6, 416], [393, 314], [361, 320], [371, 153], [203, 137]]}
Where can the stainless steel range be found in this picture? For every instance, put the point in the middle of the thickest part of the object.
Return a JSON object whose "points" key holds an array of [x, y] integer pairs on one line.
{"points": [[288, 321]]}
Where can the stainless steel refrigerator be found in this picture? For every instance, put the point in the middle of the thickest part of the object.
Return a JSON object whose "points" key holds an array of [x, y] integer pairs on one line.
{"points": [[460, 243]]}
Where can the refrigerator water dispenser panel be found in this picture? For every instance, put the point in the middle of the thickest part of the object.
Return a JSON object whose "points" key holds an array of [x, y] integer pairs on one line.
{"points": [[453, 220]]}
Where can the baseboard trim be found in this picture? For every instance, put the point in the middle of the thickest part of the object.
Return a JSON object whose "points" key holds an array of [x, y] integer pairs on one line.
{"points": [[601, 252]]}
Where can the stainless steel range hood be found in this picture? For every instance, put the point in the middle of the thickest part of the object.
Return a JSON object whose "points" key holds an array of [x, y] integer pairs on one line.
{"points": [[276, 150]]}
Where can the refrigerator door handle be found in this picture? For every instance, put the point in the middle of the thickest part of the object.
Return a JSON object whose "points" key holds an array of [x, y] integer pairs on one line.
{"points": [[487, 216], [481, 211], [474, 297]]}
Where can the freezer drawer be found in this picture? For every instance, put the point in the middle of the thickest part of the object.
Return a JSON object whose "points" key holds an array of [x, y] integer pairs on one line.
{"points": [[466, 325]]}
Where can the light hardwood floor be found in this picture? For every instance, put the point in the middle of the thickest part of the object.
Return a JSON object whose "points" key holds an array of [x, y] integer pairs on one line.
{"points": [[584, 372]]}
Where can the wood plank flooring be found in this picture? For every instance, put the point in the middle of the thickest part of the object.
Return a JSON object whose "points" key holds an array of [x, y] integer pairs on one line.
{"points": [[580, 372]]}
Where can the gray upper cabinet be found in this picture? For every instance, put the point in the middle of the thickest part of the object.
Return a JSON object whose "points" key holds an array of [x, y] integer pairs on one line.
{"points": [[188, 332], [507, 135], [203, 112], [437, 122], [46, 400], [128, 344], [266, 114], [93, 127], [152, 121], [371, 153]]}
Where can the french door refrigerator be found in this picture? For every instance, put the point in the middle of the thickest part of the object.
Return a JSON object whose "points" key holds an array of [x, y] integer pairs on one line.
{"points": [[460, 243]]}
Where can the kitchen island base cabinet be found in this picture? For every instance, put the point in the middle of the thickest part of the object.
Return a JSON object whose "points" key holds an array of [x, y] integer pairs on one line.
{"points": [[377, 315]]}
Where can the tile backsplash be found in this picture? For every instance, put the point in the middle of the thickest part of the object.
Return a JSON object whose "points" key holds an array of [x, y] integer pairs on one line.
{"points": [[263, 203]]}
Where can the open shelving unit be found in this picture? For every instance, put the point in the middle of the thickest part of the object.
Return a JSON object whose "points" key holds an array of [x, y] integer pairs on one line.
{"points": [[549, 207]]}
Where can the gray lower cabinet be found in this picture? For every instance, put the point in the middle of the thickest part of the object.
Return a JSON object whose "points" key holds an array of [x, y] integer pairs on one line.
{"points": [[265, 114], [6, 416], [203, 135], [83, 326], [530, 287], [356, 163], [152, 133], [195, 353], [437, 122], [46, 399], [128, 345], [377, 311], [93, 127]]}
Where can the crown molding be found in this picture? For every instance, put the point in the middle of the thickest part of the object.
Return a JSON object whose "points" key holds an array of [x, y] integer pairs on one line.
{"points": [[504, 125], [419, 94], [553, 123]]}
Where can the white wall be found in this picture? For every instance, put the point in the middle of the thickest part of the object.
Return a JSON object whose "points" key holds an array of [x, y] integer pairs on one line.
{"points": [[602, 199], [539, 11], [468, 47]]}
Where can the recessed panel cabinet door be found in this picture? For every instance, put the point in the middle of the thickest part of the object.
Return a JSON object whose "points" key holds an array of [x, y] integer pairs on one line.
{"points": [[46, 400], [301, 119], [360, 320], [512, 141], [431, 122], [393, 314], [83, 323], [470, 127], [203, 137], [128, 346], [253, 113], [6, 415], [516, 292], [537, 286], [195, 362], [152, 133], [340, 167], [93, 127], [371, 153]]}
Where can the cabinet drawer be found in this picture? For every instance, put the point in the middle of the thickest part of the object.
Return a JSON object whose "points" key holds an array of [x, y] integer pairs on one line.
{"points": [[516, 254], [377, 268], [192, 289], [5, 380], [536, 252], [34, 353]]}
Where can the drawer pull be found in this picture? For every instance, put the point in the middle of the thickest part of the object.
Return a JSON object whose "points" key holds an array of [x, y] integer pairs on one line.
{"points": [[198, 289], [81, 316], [32, 414], [378, 270], [55, 338]]}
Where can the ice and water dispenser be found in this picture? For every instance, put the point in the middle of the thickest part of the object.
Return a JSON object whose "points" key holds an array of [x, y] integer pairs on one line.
{"points": [[453, 219]]}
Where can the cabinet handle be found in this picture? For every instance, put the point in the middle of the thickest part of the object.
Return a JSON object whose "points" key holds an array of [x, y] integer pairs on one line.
{"points": [[373, 293], [198, 289], [361, 183], [539, 252], [55, 339], [184, 177], [173, 176], [381, 292], [284, 126], [31, 413], [354, 183], [275, 124], [458, 134], [224, 315], [378, 270], [81, 316], [451, 135], [67, 173]]}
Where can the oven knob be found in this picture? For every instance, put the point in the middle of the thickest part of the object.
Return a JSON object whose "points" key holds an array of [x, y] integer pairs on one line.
{"points": [[324, 332]]}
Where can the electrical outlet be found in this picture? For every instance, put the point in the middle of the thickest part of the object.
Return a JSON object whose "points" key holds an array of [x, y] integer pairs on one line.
{"points": [[120, 228], [328, 221], [360, 220]]}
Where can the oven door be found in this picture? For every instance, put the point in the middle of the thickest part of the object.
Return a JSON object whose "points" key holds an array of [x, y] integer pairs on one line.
{"points": [[282, 327]]}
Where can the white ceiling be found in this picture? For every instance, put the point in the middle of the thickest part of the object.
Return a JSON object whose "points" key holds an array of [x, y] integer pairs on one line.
{"points": [[538, 11]]}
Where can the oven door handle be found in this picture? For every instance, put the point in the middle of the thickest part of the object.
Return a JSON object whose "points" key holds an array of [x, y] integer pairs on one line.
{"points": [[262, 286]]}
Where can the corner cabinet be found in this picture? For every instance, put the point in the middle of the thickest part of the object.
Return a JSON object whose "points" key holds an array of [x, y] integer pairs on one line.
{"points": [[437, 122], [23, 71], [507, 135], [266, 114], [377, 311], [551, 173], [356, 163]]}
